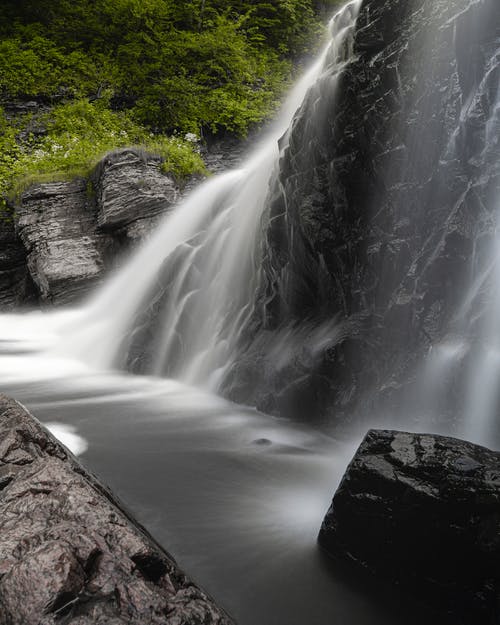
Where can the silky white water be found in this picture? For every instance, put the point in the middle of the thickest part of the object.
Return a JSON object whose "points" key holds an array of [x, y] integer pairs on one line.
{"points": [[470, 352], [210, 248]]}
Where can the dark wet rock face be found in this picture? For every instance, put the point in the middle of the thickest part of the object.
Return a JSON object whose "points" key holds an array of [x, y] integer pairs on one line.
{"points": [[423, 511], [382, 208], [14, 277], [69, 553]]}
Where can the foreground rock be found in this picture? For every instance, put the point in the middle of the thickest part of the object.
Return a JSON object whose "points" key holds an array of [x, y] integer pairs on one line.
{"points": [[69, 553], [423, 511]]}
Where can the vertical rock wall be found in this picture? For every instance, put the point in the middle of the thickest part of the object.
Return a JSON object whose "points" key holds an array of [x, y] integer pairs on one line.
{"points": [[383, 202]]}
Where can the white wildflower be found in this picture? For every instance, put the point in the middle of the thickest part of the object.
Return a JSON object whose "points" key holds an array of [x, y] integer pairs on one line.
{"points": [[191, 137]]}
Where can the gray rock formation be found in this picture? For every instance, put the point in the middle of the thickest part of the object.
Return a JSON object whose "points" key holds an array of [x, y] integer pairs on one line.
{"points": [[423, 512], [69, 553], [55, 223], [67, 234], [381, 212], [131, 192]]}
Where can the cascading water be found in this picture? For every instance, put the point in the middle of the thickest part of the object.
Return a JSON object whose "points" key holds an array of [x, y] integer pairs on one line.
{"points": [[238, 496], [483, 392], [195, 280], [462, 370]]}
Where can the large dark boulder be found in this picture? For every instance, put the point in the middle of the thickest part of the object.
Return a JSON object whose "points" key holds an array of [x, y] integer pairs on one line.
{"points": [[69, 553], [423, 511]]}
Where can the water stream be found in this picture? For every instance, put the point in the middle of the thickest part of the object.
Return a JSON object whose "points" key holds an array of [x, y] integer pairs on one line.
{"points": [[236, 496], [206, 257]]}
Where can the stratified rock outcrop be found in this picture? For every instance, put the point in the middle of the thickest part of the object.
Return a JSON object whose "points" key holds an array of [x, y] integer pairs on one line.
{"points": [[65, 235], [68, 551], [382, 213], [54, 221], [423, 511], [131, 192]]}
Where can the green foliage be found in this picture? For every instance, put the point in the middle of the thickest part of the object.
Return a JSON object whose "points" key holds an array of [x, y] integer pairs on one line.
{"points": [[78, 135], [39, 68], [197, 65], [10, 152], [150, 67]]}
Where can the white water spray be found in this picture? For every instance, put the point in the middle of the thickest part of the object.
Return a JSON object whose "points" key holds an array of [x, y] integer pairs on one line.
{"points": [[210, 251], [474, 337]]}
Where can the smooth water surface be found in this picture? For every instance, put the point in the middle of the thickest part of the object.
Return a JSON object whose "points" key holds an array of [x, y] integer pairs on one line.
{"points": [[237, 497]]}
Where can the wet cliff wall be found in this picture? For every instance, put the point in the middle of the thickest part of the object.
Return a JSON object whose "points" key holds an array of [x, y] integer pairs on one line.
{"points": [[380, 214]]}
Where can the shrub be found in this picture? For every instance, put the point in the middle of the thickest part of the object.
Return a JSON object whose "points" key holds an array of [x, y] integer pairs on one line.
{"points": [[211, 66], [78, 135]]}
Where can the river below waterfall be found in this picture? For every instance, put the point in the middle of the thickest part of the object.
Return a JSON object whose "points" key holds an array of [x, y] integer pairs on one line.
{"points": [[237, 497]]}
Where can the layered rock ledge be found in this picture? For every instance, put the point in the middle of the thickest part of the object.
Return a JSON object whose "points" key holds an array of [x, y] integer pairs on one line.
{"points": [[69, 553], [423, 511], [65, 236]]}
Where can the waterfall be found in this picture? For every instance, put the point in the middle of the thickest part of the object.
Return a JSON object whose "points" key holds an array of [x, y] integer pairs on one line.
{"points": [[350, 268], [462, 371], [483, 391], [349, 272], [177, 308]]}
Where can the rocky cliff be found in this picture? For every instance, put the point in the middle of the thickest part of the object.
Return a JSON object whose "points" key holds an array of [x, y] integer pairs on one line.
{"points": [[381, 212], [64, 236], [70, 553]]}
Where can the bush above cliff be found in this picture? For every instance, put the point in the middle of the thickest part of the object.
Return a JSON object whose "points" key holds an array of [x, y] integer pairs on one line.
{"points": [[76, 135], [197, 66]]}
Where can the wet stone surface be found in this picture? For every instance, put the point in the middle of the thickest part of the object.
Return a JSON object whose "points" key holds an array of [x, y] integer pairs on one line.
{"points": [[380, 217], [423, 512], [69, 553]]}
